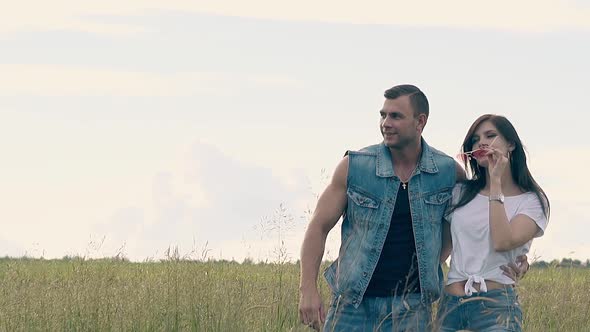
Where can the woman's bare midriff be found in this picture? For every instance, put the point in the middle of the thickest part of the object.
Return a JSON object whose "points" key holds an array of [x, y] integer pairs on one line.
{"points": [[458, 288]]}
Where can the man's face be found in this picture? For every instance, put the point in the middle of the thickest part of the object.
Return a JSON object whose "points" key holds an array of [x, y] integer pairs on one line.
{"points": [[398, 124]]}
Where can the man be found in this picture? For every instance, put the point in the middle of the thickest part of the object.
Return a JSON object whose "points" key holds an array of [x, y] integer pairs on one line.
{"points": [[393, 198]]}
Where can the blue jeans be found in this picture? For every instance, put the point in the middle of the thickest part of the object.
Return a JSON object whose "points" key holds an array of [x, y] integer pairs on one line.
{"points": [[396, 313], [495, 310]]}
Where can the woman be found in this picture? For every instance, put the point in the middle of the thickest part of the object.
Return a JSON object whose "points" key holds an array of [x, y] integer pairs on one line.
{"points": [[493, 218]]}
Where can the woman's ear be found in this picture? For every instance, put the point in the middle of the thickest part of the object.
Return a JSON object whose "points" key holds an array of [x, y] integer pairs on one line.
{"points": [[511, 146]]}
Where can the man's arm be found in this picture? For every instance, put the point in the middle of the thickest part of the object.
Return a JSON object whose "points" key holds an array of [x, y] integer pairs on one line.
{"points": [[460, 172], [516, 270], [328, 211], [447, 241]]}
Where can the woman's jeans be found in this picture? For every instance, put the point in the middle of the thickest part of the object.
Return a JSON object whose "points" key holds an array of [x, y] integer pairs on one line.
{"points": [[495, 310]]}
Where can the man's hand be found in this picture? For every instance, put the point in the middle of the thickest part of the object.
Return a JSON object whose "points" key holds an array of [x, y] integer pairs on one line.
{"points": [[516, 270], [311, 309]]}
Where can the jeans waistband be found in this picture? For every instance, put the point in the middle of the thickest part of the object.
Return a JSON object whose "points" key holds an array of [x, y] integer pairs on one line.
{"points": [[494, 293]]}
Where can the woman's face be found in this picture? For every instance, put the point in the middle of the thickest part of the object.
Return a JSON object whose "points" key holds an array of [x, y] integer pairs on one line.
{"points": [[487, 136]]}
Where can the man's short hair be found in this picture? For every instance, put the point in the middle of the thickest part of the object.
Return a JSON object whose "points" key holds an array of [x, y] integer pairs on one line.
{"points": [[418, 99]]}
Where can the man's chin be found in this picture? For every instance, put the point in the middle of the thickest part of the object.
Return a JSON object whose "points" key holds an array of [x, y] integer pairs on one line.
{"points": [[391, 144]]}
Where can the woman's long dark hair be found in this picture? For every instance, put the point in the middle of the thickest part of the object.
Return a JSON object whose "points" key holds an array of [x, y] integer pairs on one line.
{"points": [[518, 166]]}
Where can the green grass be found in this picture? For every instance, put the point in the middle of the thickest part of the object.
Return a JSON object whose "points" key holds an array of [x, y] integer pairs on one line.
{"points": [[556, 299], [175, 295]]}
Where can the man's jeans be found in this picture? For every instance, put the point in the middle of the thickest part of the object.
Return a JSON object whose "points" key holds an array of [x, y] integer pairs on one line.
{"points": [[495, 310], [397, 313]]}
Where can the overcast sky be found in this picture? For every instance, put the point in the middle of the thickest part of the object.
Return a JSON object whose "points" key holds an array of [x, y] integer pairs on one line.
{"points": [[213, 125]]}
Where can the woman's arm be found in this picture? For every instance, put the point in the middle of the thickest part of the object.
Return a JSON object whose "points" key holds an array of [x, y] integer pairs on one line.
{"points": [[506, 234]]}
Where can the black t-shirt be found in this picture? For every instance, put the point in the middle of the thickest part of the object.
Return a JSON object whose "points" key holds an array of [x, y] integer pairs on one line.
{"points": [[396, 272]]}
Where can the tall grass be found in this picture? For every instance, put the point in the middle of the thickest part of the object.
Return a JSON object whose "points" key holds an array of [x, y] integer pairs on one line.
{"points": [[556, 299], [177, 295]]}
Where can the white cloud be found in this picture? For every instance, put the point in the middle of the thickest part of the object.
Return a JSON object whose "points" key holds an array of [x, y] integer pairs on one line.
{"points": [[30, 15], [211, 199], [503, 14], [60, 80], [552, 168], [565, 235]]}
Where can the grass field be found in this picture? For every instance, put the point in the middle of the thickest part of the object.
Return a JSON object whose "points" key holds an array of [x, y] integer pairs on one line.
{"points": [[176, 295]]}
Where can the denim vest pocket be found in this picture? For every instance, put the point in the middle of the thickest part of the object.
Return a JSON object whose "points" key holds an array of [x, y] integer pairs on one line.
{"points": [[364, 204], [436, 203]]}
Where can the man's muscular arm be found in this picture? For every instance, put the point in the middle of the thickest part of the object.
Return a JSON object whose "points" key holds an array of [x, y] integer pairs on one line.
{"points": [[328, 211], [460, 172]]}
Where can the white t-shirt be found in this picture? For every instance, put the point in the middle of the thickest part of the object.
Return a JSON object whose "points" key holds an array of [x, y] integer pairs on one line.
{"points": [[473, 257]]}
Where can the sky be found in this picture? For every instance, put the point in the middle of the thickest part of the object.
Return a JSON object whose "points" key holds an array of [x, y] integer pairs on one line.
{"points": [[210, 127]]}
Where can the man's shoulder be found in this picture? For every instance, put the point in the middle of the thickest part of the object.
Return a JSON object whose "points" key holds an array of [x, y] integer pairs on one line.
{"points": [[439, 153], [371, 150], [443, 161]]}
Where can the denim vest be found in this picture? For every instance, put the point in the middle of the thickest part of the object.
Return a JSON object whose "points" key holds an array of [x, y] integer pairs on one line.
{"points": [[372, 188]]}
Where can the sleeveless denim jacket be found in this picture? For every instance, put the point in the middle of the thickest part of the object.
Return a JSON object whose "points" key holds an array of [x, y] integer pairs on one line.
{"points": [[372, 188]]}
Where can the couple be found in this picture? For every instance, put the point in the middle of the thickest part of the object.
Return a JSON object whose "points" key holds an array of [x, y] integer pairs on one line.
{"points": [[406, 207]]}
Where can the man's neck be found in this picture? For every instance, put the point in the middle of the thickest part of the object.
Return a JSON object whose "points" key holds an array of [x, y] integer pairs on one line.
{"points": [[408, 155]]}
